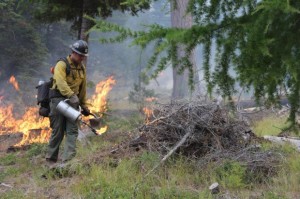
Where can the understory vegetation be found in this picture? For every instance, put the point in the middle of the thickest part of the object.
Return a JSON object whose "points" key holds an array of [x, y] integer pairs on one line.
{"points": [[97, 173]]}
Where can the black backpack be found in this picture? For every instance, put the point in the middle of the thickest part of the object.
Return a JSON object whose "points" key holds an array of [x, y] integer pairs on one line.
{"points": [[44, 94], [43, 98]]}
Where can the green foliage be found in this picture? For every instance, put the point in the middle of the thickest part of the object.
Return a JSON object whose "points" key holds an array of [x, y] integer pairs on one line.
{"points": [[9, 159], [148, 160], [255, 45], [294, 164], [270, 126], [22, 48], [272, 195], [74, 11], [139, 94], [13, 165], [104, 181], [13, 194], [36, 149], [250, 40], [231, 175], [13, 171], [125, 123], [166, 41]]}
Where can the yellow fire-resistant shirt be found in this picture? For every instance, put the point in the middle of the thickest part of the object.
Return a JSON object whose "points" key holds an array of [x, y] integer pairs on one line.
{"points": [[73, 83]]}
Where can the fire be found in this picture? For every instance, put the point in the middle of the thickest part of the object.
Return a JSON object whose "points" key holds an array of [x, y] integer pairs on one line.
{"points": [[7, 120], [14, 82], [99, 99], [150, 99], [147, 110], [29, 121], [102, 130], [36, 129]]}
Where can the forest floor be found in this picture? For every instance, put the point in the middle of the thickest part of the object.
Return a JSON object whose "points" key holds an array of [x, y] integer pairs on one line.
{"points": [[106, 167]]}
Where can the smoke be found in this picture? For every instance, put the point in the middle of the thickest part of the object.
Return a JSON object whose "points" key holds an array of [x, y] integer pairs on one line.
{"points": [[123, 61]]}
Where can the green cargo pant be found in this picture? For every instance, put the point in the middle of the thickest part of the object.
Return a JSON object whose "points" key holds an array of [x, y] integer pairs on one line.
{"points": [[61, 125]]}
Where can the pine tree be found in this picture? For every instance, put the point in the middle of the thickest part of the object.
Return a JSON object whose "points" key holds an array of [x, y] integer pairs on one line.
{"points": [[75, 11], [22, 51], [256, 46]]}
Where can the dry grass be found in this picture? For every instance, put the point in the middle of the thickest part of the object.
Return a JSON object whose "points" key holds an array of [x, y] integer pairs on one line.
{"points": [[270, 125], [116, 176]]}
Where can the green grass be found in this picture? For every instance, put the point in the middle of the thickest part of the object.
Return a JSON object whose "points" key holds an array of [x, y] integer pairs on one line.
{"points": [[125, 123], [231, 175], [121, 176], [270, 126], [127, 180], [9, 159], [13, 194]]}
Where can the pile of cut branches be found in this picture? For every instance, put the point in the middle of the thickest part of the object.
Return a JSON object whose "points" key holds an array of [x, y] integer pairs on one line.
{"points": [[196, 128], [210, 134]]}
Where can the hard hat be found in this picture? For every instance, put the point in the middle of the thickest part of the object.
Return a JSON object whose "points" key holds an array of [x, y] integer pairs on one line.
{"points": [[80, 47]]}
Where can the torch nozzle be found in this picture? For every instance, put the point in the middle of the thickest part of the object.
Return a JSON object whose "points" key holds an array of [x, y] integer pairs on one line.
{"points": [[93, 130]]}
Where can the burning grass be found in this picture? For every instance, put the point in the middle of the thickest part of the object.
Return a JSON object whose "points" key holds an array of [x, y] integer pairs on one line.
{"points": [[36, 129]]}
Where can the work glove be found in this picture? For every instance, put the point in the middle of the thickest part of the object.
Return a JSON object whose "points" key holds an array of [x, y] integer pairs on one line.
{"points": [[85, 111], [74, 101]]}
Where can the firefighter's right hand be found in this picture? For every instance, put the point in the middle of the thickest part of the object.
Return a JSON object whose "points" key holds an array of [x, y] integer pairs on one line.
{"points": [[74, 101]]}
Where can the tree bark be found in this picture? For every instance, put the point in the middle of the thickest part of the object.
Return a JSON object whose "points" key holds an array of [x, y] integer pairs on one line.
{"points": [[85, 25], [180, 19]]}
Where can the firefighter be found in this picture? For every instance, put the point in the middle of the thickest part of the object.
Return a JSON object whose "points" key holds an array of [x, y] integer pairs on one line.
{"points": [[69, 82]]}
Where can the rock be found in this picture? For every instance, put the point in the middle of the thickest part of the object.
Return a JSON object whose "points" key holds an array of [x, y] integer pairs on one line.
{"points": [[214, 188]]}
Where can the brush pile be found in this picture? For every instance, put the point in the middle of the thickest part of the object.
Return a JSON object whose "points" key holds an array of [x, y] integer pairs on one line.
{"points": [[199, 128]]}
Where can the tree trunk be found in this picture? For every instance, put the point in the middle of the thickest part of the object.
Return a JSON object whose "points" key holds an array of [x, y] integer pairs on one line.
{"points": [[85, 25], [180, 19]]}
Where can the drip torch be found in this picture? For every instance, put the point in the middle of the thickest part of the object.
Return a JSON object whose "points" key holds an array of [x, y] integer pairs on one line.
{"points": [[74, 115]]}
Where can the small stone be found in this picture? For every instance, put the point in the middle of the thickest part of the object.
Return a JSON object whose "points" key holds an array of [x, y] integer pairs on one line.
{"points": [[214, 188]]}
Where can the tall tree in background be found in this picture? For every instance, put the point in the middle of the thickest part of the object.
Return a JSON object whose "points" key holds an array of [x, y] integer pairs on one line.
{"points": [[257, 46], [184, 67], [181, 19], [22, 50], [75, 11]]}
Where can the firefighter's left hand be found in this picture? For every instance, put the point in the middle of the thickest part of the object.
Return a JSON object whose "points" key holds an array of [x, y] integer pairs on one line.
{"points": [[86, 111]]}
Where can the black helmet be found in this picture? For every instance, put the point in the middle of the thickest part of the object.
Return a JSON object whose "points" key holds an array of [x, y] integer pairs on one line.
{"points": [[80, 47]]}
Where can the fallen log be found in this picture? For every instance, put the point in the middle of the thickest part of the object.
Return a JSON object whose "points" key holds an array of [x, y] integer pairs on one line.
{"points": [[283, 140]]}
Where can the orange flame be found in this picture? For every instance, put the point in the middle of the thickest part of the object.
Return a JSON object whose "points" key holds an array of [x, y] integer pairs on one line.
{"points": [[36, 129], [99, 99], [27, 123], [14, 82], [150, 99], [147, 110]]}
